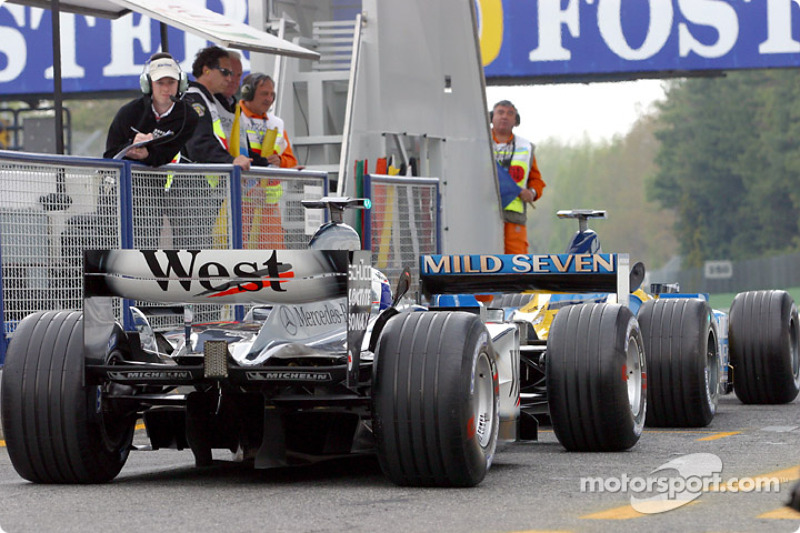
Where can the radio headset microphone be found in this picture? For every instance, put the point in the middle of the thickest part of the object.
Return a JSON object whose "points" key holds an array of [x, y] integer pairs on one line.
{"points": [[174, 98]]}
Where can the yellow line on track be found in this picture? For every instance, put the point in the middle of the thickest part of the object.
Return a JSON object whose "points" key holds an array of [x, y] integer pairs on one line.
{"points": [[720, 435], [2, 444], [626, 512], [783, 476], [681, 431], [542, 531], [782, 513]]}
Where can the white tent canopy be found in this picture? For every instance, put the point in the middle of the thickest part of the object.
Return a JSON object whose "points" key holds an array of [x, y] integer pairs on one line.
{"points": [[189, 16], [94, 8]]}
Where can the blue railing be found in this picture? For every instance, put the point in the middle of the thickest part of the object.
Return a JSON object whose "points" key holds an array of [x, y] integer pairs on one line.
{"points": [[53, 207]]}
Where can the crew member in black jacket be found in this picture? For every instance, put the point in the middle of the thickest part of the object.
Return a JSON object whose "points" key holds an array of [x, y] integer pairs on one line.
{"points": [[157, 116], [209, 144], [165, 122]]}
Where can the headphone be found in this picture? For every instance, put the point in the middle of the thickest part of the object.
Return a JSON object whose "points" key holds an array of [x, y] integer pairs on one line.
{"points": [[505, 103], [146, 85], [249, 84]]}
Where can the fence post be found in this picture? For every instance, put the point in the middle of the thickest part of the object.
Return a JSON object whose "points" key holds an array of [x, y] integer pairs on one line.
{"points": [[367, 226], [126, 230], [235, 198], [3, 339]]}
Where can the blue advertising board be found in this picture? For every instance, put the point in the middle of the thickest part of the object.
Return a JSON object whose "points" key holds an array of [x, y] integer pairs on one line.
{"points": [[521, 41], [97, 55], [563, 40]]}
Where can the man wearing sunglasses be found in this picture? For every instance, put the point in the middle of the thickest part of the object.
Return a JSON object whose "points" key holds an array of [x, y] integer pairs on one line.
{"points": [[227, 99], [212, 70], [197, 227]]}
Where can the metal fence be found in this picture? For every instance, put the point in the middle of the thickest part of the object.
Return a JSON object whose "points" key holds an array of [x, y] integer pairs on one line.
{"points": [[404, 222], [54, 207], [779, 272], [50, 209]]}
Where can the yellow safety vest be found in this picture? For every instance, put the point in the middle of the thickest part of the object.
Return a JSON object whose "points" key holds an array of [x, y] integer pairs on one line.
{"points": [[519, 154], [256, 133], [216, 125]]}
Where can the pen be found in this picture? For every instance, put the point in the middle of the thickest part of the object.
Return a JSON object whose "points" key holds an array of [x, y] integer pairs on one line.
{"points": [[135, 130]]}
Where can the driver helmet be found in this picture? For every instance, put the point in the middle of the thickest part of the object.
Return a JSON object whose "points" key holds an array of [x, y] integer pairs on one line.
{"points": [[381, 291]]}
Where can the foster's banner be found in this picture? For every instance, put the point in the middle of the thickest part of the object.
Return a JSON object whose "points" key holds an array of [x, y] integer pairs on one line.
{"points": [[520, 40], [595, 39]]}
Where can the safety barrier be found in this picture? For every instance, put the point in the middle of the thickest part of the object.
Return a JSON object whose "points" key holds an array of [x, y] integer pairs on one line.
{"points": [[54, 207], [404, 222]]}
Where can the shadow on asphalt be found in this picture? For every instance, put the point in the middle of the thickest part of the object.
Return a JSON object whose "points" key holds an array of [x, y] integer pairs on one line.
{"points": [[361, 470]]}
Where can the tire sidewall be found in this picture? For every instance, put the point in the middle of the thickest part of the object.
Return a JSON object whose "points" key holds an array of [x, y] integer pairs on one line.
{"points": [[480, 456], [793, 344], [633, 333]]}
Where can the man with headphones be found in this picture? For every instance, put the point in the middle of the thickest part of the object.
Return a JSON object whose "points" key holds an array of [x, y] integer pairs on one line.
{"points": [[154, 116], [165, 123], [255, 121], [515, 159], [261, 135]]}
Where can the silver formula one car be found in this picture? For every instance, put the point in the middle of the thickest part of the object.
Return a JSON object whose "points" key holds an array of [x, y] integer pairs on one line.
{"points": [[323, 365]]}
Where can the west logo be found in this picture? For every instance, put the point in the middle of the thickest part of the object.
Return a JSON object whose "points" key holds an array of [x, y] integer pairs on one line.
{"points": [[214, 276]]}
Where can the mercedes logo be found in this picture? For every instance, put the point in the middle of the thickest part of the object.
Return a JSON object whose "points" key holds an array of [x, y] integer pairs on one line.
{"points": [[288, 321]]}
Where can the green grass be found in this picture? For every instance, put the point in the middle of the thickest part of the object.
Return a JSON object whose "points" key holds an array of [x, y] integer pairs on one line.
{"points": [[723, 301]]}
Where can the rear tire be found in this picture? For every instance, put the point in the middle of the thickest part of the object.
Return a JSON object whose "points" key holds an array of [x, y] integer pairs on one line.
{"points": [[596, 375], [434, 399], [512, 299], [52, 429], [764, 343], [683, 369]]}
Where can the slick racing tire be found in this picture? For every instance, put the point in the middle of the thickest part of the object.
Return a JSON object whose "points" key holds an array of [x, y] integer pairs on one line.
{"points": [[595, 373], [764, 340], [51, 424], [512, 299], [683, 362], [435, 399]]}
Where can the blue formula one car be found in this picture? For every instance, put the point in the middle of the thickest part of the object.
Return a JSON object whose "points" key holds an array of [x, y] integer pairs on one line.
{"points": [[600, 356]]}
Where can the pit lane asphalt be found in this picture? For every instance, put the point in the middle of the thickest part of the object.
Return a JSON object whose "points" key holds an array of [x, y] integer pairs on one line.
{"points": [[531, 487]]}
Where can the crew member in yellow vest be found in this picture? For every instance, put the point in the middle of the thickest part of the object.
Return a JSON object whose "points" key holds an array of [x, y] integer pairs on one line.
{"points": [[517, 155], [263, 138]]}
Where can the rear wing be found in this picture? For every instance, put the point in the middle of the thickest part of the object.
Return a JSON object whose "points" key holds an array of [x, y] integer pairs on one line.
{"points": [[459, 274], [217, 276], [225, 277]]}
